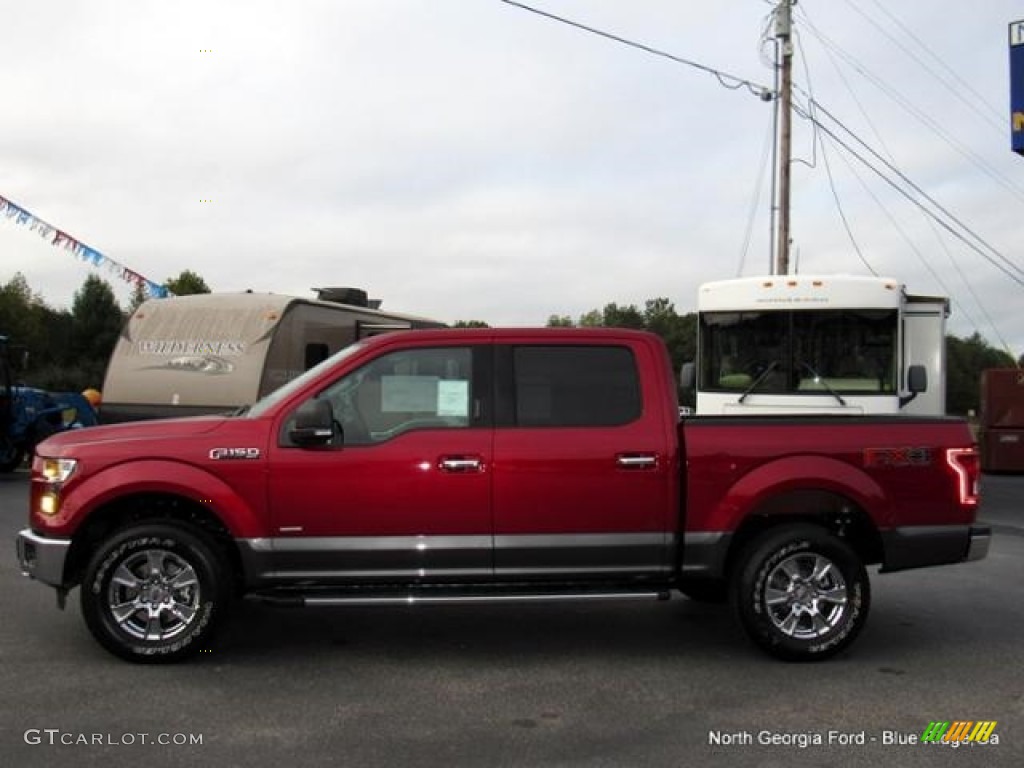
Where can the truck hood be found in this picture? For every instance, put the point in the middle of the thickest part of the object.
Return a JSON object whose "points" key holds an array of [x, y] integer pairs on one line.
{"points": [[160, 429]]}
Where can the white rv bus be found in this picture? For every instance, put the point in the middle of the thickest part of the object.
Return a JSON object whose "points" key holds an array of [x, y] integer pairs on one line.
{"points": [[789, 344], [213, 352]]}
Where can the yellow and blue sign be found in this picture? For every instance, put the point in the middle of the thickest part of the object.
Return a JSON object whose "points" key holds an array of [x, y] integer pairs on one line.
{"points": [[1017, 86]]}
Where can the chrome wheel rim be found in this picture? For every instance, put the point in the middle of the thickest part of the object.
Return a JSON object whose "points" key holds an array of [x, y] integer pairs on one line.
{"points": [[806, 596], [154, 595]]}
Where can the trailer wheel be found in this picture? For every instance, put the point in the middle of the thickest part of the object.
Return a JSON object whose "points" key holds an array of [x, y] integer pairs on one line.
{"points": [[154, 593], [800, 593]]}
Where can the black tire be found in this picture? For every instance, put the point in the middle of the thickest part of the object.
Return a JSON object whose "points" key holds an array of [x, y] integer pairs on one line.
{"points": [[154, 593], [800, 593]]}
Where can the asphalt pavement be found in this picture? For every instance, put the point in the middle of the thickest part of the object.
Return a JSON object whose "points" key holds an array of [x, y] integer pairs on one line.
{"points": [[636, 684]]}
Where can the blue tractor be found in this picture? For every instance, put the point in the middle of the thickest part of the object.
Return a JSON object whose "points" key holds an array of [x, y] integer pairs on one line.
{"points": [[29, 415]]}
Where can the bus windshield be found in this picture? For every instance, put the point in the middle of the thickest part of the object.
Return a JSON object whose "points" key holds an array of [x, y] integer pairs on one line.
{"points": [[849, 351]]}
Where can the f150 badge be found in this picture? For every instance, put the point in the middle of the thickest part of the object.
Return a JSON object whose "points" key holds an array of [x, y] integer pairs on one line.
{"points": [[234, 453]]}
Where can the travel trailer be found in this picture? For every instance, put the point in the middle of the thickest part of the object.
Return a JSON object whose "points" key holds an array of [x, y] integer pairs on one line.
{"points": [[213, 352]]}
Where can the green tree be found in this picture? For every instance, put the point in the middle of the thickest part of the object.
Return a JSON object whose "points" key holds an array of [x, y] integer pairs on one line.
{"points": [[965, 360], [658, 316], [615, 316], [139, 295], [560, 321], [186, 284], [96, 324], [21, 314]]}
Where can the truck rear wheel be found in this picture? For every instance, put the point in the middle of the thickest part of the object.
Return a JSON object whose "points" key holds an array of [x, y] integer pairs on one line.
{"points": [[154, 593], [801, 593]]}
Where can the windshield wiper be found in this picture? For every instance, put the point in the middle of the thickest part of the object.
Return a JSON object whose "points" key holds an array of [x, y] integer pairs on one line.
{"points": [[819, 379], [756, 382]]}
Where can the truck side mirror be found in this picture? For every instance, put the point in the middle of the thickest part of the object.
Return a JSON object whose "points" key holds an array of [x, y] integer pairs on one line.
{"points": [[917, 382], [688, 376], [314, 423]]}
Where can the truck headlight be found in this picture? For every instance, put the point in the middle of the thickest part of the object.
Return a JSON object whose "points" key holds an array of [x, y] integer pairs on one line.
{"points": [[57, 471], [52, 474]]}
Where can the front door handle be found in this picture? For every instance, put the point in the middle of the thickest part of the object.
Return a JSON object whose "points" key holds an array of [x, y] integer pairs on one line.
{"points": [[637, 460], [461, 464]]}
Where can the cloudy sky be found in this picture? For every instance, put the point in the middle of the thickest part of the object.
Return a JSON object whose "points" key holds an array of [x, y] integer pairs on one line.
{"points": [[468, 159]]}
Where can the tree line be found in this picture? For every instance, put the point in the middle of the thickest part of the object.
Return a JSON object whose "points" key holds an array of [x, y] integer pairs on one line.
{"points": [[68, 349]]}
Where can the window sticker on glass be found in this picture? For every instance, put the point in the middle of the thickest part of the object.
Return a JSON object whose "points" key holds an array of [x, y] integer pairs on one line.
{"points": [[453, 398], [409, 394]]}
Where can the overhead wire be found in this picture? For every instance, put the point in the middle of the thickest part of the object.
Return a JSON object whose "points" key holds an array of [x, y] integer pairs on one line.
{"points": [[908, 240], [928, 219], [961, 231], [966, 152], [727, 80], [755, 203], [992, 115], [950, 223], [828, 167]]}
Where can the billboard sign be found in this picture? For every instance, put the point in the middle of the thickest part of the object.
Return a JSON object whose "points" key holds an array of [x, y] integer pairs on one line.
{"points": [[1017, 86]]}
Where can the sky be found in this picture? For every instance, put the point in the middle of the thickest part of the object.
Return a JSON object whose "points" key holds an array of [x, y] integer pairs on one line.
{"points": [[472, 160]]}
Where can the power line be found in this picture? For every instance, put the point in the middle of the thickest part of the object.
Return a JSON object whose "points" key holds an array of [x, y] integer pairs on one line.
{"points": [[978, 247], [727, 80], [994, 116], [931, 223], [910, 243], [828, 167], [965, 151], [756, 201], [903, 177], [842, 214]]}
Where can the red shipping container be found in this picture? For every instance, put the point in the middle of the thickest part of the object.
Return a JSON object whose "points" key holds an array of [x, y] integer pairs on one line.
{"points": [[1001, 436]]}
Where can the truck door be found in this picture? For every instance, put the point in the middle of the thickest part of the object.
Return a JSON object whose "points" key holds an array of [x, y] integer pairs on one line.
{"points": [[583, 469], [404, 490]]}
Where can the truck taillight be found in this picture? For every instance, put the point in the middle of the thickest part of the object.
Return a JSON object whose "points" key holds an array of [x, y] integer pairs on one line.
{"points": [[965, 463]]}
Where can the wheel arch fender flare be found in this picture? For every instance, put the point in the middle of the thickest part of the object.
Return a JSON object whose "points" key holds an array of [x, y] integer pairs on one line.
{"points": [[165, 477], [763, 490]]}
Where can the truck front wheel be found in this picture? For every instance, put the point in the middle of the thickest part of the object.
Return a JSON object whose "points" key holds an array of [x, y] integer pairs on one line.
{"points": [[801, 593], [154, 593]]}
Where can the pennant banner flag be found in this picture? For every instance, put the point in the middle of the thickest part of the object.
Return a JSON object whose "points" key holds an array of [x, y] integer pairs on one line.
{"points": [[80, 250]]}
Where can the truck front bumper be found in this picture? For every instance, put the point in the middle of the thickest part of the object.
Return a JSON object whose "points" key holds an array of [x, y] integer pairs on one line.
{"points": [[922, 546], [42, 558]]}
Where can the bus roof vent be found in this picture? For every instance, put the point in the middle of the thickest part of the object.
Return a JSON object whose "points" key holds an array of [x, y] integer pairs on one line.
{"points": [[355, 297]]}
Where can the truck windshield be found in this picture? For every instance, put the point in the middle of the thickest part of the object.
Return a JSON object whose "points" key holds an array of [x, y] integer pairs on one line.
{"points": [[283, 392], [802, 351]]}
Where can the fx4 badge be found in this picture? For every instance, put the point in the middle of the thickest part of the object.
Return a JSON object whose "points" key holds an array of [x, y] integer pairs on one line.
{"points": [[910, 456], [235, 453]]}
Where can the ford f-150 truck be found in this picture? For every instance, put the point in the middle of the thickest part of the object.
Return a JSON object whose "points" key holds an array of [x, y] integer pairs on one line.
{"points": [[494, 465]]}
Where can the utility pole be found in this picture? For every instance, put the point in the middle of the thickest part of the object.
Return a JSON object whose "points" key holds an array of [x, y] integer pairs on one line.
{"points": [[783, 25]]}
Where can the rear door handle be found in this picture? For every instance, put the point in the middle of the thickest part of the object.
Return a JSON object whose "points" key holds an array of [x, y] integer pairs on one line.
{"points": [[637, 460], [461, 464]]}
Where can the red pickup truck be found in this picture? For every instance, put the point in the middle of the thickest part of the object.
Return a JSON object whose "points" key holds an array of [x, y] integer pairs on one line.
{"points": [[494, 465]]}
